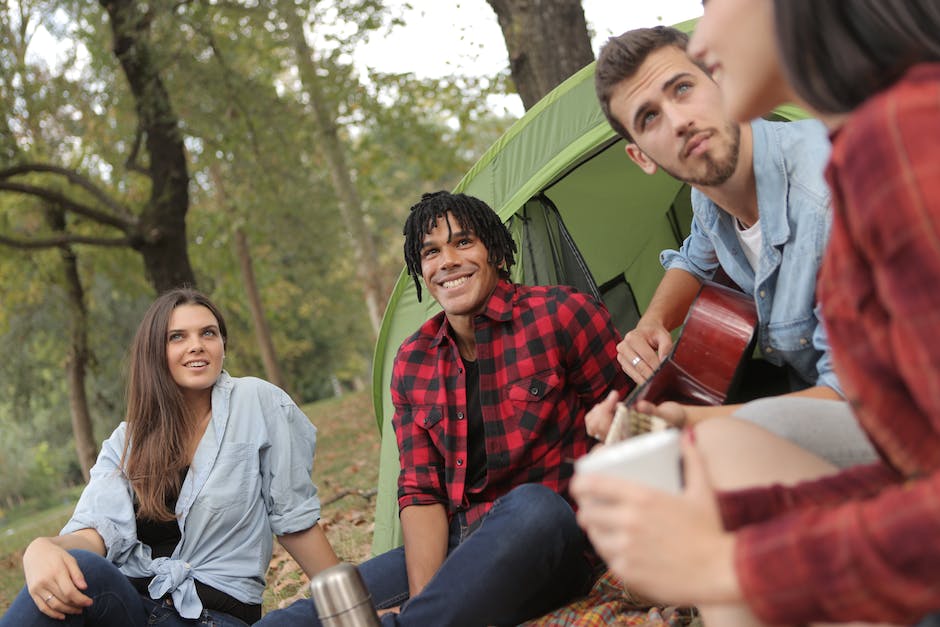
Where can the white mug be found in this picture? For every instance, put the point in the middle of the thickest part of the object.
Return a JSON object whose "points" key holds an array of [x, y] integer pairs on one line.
{"points": [[652, 459]]}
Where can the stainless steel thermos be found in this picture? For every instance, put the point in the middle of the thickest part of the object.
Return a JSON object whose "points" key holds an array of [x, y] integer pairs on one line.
{"points": [[342, 599]]}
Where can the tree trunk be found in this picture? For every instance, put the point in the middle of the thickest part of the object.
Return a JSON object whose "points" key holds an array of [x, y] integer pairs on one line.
{"points": [[262, 330], [85, 444], [77, 357], [547, 42], [350, 205], [161, 238], [272, 366]]}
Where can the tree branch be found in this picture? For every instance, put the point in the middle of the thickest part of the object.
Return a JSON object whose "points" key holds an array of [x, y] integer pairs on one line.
{"points": [[69, 204], [76, 179], [131, 163], [63, 240]]}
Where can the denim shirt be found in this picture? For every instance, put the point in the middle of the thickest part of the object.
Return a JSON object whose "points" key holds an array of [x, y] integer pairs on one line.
{"points": [[795, 215], [249, 478]]}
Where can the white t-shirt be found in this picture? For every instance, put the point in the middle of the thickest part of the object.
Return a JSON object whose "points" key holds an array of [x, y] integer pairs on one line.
{"points": [[750, 239]]}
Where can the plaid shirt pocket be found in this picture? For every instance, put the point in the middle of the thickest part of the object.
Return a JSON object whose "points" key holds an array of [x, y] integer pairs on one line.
{"points": [[532, 401]]}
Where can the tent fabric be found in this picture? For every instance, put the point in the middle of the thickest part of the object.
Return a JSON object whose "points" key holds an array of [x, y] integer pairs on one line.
{"points": [[561, 155]]}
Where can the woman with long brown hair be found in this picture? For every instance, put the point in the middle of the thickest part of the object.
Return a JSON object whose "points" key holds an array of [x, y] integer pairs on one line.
{"points": [[176, 523]]}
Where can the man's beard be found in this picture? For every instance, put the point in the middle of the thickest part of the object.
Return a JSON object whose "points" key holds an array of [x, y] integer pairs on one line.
{"points": [[716, 172]]}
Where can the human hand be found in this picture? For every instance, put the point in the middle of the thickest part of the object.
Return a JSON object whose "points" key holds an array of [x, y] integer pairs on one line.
{"points": [[597, 421], [676, 414], [642, 350], [669, 547], [54, 579], [679, 415]]}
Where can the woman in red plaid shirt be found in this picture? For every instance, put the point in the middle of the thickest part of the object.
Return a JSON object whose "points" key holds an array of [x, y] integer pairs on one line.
{"points": [[863, 544]]}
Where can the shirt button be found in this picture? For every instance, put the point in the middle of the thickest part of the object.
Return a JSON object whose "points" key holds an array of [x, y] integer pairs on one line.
{"points": [[803, 341], [459, 415], [763, 294], [534, 390], [427, 420], [459, 462], [460, 370], [768, 349]]}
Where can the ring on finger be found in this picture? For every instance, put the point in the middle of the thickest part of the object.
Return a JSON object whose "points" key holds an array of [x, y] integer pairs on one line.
{"points": [[635, 361], [46, 600]]}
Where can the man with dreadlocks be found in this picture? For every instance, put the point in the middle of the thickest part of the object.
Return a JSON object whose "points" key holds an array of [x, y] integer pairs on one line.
{"points": [[490, 397]]}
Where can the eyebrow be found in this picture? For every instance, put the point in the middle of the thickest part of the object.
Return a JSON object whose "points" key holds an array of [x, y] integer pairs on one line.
{"points": [[452, 237], [214, 327], [638, 116]]}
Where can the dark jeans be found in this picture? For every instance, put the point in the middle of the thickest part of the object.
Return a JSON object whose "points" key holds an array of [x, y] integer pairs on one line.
{"points": [[525, 559], [932, 620], [115, 604]]}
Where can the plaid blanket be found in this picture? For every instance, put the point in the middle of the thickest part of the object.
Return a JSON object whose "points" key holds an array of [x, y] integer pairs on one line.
{"points": [[608, 603]]}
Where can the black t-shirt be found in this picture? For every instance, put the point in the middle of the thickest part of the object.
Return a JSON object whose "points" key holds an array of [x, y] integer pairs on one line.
{"points": [[476, 433]]}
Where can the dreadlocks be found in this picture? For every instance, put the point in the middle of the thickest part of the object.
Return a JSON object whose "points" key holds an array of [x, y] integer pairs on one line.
{"points": [[472, 214]]}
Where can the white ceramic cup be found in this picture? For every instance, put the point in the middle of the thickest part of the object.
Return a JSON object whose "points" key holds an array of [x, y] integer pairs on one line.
{"points": [[652, 459]]}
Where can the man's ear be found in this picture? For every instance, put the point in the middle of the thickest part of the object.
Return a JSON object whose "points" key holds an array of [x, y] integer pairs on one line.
{"points": [[639, 157]]}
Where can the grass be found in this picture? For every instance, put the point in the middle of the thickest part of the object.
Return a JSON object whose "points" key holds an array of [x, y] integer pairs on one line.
{"points": [[346, 472]]}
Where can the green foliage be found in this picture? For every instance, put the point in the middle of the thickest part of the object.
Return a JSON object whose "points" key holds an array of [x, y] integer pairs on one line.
{"points": [[255, 164]]}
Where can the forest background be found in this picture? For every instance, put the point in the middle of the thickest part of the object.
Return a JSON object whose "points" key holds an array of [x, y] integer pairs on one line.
{"points": [[241, 146]]}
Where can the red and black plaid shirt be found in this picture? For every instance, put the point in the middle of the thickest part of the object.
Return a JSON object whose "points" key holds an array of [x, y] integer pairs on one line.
{"points": [[864, 545], [545, 356]]}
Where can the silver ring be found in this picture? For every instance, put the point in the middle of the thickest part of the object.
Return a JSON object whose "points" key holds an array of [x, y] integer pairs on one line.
{"points": [[635, 361], [46, 600]]}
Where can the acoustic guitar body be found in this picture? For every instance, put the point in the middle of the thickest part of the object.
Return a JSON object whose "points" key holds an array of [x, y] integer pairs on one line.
{"points": [[705, 363]]}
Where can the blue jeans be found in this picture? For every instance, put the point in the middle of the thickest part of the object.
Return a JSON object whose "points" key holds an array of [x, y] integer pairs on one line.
{"points": [[115, 604], [527, 557]]}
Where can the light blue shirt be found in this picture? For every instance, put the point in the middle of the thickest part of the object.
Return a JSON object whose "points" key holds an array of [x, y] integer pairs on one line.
{"points": [[795, 215], [249, 479]]}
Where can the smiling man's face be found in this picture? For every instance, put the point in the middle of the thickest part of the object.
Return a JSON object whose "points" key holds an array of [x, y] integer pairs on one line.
{"points": [[456, 269]]}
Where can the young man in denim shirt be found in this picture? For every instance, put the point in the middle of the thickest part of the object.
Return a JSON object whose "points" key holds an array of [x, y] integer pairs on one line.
{"points": [[761, 214]]}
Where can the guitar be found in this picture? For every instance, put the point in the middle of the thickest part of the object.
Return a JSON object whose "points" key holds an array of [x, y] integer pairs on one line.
{"points": [[704, 364]]}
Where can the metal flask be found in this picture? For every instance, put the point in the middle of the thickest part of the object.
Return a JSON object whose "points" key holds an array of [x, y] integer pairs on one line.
{"points": [[341, 598]]}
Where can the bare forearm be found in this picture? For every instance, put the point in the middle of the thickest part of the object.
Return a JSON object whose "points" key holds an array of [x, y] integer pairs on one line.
{"points": [[424, 528], [672, 299], [695, 414], [310, 549], [84, 539]]}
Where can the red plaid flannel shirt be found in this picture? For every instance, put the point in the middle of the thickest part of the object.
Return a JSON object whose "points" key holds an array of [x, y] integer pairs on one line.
{"points": [[865, 544], [545, 355]]}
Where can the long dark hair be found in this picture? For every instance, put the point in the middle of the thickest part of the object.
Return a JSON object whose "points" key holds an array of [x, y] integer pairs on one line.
{"points": [[838, 53], [473, 215], [159, 422]]}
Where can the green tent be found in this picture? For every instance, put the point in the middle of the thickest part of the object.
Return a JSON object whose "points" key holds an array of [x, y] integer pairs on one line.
{"points": [[581, 214]]}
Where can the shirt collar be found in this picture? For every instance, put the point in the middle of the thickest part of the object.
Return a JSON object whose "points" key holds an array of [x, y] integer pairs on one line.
{"points": [[772, 180], [499, 307]]}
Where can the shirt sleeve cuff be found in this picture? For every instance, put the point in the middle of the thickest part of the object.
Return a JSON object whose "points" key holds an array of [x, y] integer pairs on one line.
{"points": [[299, 517], [418, 499], [745, 507], [776, 594]]}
